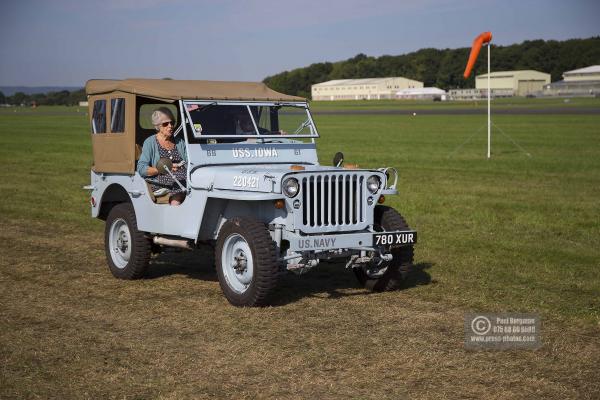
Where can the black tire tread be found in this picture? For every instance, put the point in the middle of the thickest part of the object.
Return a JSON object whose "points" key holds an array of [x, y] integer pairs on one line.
{"points": [[266, 268], [402, 263], [141, 245]]}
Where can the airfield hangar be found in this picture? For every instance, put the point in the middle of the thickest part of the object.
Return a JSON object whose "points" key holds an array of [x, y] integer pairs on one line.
{"points": [[513, 83], [578, 82], [362, 89]]}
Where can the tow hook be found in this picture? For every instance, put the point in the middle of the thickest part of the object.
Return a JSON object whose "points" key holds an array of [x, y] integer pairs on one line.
{"points": [[374, 260], [303, 266], [386, 257]]}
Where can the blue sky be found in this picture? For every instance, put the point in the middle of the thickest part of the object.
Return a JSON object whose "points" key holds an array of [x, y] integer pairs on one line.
{"points": [[66, 42]]}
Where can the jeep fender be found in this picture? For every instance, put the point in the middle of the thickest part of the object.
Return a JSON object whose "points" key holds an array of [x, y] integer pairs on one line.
{"points": [[219, 209], [112, 195]]}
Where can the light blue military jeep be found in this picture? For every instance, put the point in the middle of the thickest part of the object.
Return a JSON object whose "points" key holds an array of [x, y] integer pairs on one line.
{"points": [[257, 194]]}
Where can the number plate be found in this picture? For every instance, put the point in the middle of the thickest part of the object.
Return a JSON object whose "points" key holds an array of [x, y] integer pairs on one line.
{"points": [[404, 238]]}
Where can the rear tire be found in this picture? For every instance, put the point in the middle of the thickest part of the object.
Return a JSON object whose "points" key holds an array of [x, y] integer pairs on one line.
{"points": [[388, 219], [246, 260], [127, 249]]}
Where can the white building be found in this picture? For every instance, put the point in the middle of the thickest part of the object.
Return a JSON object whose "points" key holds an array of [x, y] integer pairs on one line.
{"points": [[578, 82], [521, 83], [362, 89], [477, 94], [429, 93], [591, 73]]}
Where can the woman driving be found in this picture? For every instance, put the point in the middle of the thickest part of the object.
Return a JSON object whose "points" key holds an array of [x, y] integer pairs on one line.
{"points": [[164, 145]]}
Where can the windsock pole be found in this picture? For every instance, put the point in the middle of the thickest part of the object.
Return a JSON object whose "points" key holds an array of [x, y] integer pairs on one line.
{"points": [[483, 38], [489, 104]]}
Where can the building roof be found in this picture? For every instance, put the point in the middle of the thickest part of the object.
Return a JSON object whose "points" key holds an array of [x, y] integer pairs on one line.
{"points": [[592, 69], [169, 90], [364, 81], [419, 91], [508, 74]]}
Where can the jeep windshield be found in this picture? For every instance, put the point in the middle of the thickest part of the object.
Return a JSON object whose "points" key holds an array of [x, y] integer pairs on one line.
{"points": [[228, 122]]}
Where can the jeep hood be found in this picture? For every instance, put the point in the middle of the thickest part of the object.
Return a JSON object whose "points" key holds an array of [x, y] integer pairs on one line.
{"points": [[264, 178]]}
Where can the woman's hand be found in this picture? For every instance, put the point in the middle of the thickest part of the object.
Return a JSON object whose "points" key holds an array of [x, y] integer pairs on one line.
{"points": [[152, 171], [177, 166]]}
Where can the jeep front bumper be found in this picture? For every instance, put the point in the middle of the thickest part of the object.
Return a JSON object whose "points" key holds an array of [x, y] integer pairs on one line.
{"points": [[357, 241]]}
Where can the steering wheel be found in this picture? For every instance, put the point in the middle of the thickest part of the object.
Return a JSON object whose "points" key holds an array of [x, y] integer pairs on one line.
{"points": [[163, 165]]}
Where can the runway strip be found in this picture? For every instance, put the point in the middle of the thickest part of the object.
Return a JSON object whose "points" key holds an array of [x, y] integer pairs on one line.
{"points": [[459, 111]]}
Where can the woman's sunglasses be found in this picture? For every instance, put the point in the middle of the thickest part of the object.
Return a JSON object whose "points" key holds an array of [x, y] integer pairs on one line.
{"points": [[165, 124]]}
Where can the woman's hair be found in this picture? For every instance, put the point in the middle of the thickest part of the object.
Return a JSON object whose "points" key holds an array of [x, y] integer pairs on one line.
{"points": [[160, 115]]}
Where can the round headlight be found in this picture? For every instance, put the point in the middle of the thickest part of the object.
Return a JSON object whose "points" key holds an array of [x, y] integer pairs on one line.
{"points": [[290, 187], [373, 183]]}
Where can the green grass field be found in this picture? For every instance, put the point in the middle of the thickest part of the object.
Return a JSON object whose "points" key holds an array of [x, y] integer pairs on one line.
{"points": [[514, 233], [501, 103]]}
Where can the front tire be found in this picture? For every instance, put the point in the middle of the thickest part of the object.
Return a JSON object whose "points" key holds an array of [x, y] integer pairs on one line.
{"points": [[127, 249], [246, 260], [388, 219]]}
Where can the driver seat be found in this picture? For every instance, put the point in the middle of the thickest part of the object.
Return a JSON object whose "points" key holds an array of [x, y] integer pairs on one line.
{"points": [[164, 199]]}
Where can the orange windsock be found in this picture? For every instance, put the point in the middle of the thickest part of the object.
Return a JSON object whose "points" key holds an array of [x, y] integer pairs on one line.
{"points": [[485, 37]]}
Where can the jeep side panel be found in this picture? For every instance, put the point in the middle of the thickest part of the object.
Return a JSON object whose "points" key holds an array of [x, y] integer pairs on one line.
{"points": [[183, 220]]}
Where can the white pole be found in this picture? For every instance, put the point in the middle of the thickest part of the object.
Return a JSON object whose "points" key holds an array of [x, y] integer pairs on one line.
{"points": [[489, 108]]}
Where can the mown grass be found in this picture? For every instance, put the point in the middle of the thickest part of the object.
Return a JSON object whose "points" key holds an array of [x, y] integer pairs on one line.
{"points": [[45, 157], [514, 233]]}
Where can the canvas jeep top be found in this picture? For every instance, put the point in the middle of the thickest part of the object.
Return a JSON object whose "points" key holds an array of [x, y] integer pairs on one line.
{"points": [[258, 195]]}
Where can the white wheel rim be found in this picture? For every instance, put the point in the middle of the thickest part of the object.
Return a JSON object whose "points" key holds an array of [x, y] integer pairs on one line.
{"points": [[119, 241], [237, 263]]}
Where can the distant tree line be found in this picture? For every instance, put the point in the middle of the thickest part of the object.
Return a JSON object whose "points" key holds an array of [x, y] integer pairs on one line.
{"points": [[444, 68], [61, 98]]}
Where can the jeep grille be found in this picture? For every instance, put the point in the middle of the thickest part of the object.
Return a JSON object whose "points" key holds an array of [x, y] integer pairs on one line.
{"points": [[332, 201]]}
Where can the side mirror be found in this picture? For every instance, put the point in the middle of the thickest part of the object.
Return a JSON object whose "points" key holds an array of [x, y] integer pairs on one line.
{"points": [[338, 159]]}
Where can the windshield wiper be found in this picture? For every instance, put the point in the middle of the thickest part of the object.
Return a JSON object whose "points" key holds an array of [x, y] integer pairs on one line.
{"points": [[302, 126]]}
